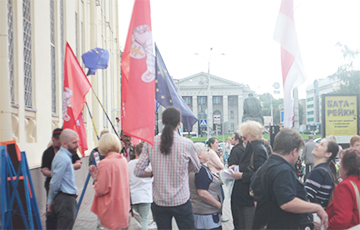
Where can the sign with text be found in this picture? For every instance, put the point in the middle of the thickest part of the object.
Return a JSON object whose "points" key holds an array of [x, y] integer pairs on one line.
{"points": [[340, 116]]}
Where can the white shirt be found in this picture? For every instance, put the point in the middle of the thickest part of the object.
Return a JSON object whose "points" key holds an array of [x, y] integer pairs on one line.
{"points": [[140, 188]]}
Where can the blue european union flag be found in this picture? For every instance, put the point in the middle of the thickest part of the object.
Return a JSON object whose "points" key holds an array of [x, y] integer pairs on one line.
{"points": [[96, 59], [166, 93]]}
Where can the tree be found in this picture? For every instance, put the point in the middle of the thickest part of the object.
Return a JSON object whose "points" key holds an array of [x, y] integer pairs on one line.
{"points": [[348, 76], [265, 99]]}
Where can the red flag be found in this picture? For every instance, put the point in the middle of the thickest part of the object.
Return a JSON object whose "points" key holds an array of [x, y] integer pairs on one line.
{"points": [[80, 129], [138, 76], [76, 86], [292, 67]]}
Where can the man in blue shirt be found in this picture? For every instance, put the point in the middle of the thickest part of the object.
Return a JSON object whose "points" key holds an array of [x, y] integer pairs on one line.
{"points": [[62, 194]]}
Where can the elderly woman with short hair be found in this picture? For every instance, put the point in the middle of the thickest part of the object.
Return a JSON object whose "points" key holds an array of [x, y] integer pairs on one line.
{"points": [[112, 195], [205, 193], [343, 211], [242, 203]]}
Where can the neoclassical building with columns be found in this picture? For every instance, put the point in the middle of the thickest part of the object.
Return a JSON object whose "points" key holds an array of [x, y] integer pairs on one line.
{"points": [[227, 99]]}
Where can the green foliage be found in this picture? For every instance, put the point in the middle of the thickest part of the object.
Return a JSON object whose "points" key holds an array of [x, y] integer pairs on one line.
{"points": [[266, 104], [348, 76]]}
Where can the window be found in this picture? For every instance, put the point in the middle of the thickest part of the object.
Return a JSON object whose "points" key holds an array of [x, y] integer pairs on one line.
{"points": [[231, 101], [232, 127], [76, 36], [310, 106], [53, 61], [105, 96], [27, 53], [62, 45], [310, 99], [217, 100], [11, 51], [310, 113], [187, 100], [202, 100], [232, 114]]}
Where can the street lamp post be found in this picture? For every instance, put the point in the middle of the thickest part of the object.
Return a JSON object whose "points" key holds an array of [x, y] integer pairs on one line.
{"points": [[208, 99], [209, 112]]}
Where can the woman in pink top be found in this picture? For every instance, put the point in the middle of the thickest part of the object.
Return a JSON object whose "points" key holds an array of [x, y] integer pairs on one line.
{"points": [[214, 163], [112, 195]]}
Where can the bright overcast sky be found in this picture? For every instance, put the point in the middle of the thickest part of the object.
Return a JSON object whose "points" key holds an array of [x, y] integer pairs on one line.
{"points": [[243, 30]]}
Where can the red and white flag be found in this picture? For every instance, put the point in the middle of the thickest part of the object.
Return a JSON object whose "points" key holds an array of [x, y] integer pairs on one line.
{"points": [[292, 67], [138, 76], [76, 86]]}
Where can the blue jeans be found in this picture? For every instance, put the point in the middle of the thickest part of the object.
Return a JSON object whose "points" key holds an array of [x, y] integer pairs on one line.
{"points": [[143, 210], [183, 215]]}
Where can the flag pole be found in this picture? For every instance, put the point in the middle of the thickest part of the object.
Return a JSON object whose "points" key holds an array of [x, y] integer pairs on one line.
{"points": [[88, 176], [92, 120], [105, 112]]}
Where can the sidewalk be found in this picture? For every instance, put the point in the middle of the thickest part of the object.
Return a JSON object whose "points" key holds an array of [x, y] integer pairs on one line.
{"points": [[88, 220]]}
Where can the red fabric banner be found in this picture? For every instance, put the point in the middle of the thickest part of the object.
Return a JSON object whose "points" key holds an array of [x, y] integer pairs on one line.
{"points": [[76, 86], [138, 76]]}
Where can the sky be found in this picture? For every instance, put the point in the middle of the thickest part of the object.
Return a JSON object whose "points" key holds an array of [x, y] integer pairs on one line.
{"points": [[243, 30]]}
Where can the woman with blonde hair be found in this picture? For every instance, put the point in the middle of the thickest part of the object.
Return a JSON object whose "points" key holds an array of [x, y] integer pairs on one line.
{"points": [[112, 195], [242, 203]]}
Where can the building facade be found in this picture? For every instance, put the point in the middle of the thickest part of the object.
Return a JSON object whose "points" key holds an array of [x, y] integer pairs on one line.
{"points": [[227, 98], [32, 39], [314, 102]]}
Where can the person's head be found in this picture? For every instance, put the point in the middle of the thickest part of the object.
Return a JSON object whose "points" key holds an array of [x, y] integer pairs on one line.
{"points": [[126, 139], [235, 139], [213, 143], [201, 152], [288, 144], [103, 132], [333, 138], [326, 150], [251, 131], [109, 143], [69, 140], [311, 137], [138, 149], [228, 140], [355, 141], [117, 119], [56, 137], [350, 163], [171, 119]]}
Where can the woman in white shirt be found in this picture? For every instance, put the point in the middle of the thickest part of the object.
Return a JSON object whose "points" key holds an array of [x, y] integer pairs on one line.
{"points": [[140, 189]]}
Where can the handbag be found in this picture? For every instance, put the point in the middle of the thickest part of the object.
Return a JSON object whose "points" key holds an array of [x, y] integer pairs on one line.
{"points": [[356, 227]]}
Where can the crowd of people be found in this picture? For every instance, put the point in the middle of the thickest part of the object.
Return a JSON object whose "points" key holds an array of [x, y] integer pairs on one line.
{"points": [[176, 178]]}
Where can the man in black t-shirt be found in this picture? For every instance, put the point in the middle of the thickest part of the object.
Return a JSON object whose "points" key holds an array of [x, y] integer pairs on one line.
{"points": [[46, 162], [280, 196]]}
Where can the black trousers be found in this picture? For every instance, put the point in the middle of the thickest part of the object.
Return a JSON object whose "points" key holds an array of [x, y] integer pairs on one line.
{"points": [[64, 206], [243, 216], [183, 215], [51, 217]]}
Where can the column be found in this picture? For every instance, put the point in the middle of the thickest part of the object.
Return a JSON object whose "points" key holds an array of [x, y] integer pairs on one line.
{"points": [[195, 111], [240, 108], [225, 115], [210, 113], [5, 114]]}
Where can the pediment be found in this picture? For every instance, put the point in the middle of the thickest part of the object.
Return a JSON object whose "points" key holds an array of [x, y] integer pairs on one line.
{"points": [[200, 80]]}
